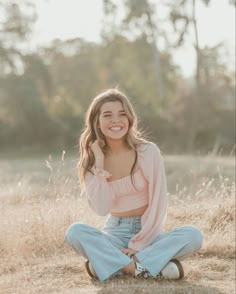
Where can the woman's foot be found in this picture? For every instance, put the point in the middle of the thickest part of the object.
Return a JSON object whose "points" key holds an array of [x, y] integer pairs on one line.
{"points": [[172, 271]]}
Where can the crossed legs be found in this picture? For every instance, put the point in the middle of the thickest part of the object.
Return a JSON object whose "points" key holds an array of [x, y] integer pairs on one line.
{"points": [[104, 250]]}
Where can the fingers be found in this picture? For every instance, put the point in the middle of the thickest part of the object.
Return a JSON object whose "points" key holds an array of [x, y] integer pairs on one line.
{"points": [[97, 145], [124, 250], [128, 252], [100, 143], [94, 144], [97, 149]]}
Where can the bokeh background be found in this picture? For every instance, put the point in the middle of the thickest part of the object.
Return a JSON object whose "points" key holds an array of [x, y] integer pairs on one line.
{"points": [[176, 62], [174, 59]]}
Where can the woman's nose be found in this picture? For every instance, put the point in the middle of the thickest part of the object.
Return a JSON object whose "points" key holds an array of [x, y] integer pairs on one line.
{"points": [[115, 119]]}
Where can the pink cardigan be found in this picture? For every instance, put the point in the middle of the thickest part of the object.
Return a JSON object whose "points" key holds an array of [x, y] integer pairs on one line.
{"points": [[101, 196]]}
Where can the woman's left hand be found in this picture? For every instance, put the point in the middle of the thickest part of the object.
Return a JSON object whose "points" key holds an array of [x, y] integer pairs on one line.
{"points": [[129, 252]]}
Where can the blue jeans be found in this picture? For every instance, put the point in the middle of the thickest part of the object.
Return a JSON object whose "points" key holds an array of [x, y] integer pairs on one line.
{"points": [[103, 247]]}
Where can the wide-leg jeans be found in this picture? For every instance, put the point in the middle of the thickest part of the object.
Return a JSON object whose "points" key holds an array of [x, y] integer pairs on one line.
{"points": [[103, 247]]}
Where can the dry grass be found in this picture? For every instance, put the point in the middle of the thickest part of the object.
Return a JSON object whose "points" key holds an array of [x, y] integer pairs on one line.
{"points": [[40, 200]]}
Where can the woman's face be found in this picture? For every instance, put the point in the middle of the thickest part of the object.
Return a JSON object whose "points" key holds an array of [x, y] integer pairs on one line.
{"points": [[113, 121]]}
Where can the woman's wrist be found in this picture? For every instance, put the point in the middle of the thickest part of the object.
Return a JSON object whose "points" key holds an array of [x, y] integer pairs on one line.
{"points": [[99, 157], [101, 173], [99, 162]]}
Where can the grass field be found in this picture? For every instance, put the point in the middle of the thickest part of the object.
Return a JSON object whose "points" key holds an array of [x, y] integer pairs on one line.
{"points": [[39, 199]]}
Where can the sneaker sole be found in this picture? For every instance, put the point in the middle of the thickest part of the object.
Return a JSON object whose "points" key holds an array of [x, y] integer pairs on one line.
{"points": [[88, 270], [180, 268]]}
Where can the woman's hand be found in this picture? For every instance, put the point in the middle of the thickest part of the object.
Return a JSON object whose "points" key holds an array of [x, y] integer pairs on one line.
{"points": [[98, 153], [129, 252], [97, 149]]}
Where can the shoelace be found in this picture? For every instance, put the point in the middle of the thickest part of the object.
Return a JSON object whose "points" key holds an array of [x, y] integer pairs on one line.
{"points": [[160, 277], [141, 272]]}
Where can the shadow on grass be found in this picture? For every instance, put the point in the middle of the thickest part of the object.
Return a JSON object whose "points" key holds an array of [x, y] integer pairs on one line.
{"points": [[134, 286]]}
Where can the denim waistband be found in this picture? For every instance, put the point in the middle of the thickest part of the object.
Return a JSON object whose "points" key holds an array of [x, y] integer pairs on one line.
{"points": [[127, 220]]}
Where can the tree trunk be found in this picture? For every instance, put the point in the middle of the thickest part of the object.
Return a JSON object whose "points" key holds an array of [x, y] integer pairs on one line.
{"points": [[195, 107], [157, 61]]}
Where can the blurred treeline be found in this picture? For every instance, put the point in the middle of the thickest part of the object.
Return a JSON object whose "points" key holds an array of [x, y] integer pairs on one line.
{"points": [[44, 94]]}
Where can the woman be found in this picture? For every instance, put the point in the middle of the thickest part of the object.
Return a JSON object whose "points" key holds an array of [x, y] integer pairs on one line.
{"points": [[123, 176]]}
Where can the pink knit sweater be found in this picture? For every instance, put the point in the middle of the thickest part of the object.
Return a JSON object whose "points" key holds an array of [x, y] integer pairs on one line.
{"points": [[121, 195]]}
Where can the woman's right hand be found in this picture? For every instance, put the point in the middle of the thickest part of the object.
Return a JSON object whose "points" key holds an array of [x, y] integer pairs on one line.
{"points": [[97, 150]]}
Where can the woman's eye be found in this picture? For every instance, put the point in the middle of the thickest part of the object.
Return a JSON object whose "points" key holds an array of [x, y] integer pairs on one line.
{"points": [[123, 114], [107, 115]]}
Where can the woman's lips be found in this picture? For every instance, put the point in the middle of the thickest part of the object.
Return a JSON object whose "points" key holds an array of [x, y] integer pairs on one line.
{"points": [[116, 129]]}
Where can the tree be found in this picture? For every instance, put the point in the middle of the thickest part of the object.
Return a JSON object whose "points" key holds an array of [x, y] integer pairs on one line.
{"points": [[74, 68], [183, 17], [15, 28], [139, 22], [215, 105]]}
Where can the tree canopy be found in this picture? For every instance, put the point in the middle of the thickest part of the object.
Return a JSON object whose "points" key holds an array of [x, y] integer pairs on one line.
{"points": [[45, 94]]}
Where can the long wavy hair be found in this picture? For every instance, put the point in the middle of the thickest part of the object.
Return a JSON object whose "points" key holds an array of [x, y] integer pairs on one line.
{"points": [[91, 131]]}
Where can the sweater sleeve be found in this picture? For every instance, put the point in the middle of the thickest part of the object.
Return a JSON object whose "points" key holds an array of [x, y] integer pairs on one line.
{"points": [[98, 191], [153, 219]]}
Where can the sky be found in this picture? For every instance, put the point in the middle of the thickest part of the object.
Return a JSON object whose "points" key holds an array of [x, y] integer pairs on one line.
{"points": [[67, 19]]}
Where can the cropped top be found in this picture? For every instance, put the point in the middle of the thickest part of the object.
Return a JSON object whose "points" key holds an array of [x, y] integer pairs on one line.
{"points": [[148, 187], [129, 195]]}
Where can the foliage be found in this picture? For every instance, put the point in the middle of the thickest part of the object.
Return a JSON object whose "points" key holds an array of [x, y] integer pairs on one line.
{"points": [[44, 94], [15, 28]]}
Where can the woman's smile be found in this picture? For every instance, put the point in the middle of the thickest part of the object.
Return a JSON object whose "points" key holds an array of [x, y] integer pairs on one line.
{"points": [[116, 129]]}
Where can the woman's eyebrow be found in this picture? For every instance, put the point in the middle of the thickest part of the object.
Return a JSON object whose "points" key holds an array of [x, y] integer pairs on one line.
{"points": [[108, 111]]}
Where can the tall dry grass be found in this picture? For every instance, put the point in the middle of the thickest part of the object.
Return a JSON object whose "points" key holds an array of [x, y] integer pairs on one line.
{"points": [[34, 220]]}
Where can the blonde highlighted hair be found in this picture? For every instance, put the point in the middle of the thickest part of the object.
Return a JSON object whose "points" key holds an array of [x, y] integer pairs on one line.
{"points": [[91, 131]]}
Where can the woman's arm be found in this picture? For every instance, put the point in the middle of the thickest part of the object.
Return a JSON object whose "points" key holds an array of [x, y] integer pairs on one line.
{"points": [[99, 193], [153, 219]]}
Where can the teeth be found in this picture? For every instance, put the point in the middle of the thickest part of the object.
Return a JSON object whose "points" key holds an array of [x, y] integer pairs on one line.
{"points": [[116, 128]]}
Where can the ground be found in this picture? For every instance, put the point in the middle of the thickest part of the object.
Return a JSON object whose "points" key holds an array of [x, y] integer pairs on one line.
{"points": [[40, 199]]}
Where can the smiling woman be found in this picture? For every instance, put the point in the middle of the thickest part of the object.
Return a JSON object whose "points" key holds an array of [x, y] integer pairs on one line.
{"points": [[123, 175]]}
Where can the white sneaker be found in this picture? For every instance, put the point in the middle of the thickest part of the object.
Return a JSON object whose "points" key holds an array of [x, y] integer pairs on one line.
{"points": [[172, 271]]}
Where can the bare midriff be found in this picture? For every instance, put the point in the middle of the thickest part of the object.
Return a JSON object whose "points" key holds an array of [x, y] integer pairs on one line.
{"points": [[135, 212]]}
